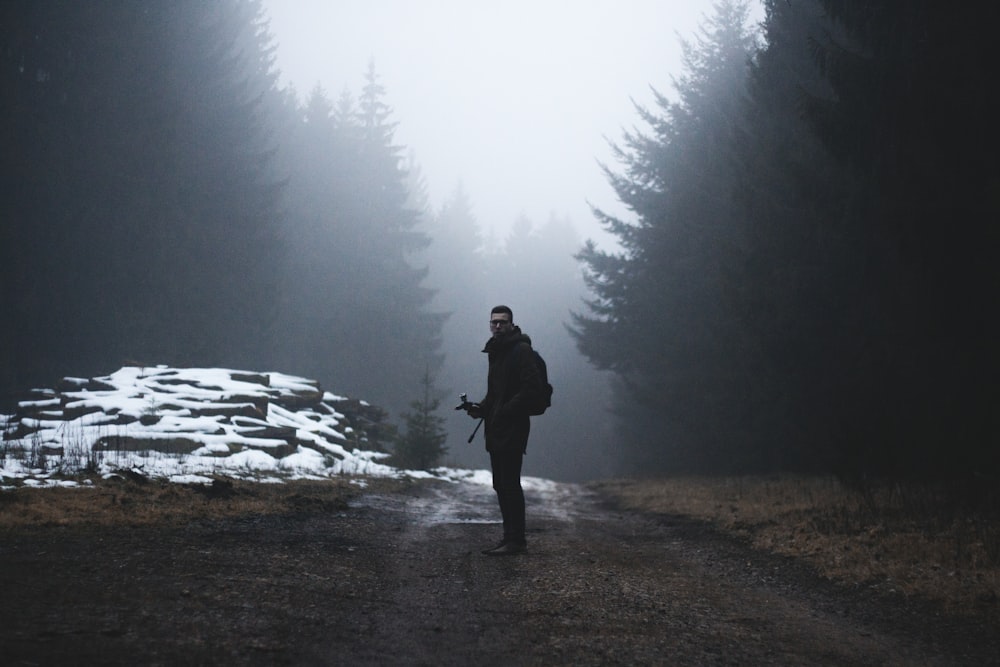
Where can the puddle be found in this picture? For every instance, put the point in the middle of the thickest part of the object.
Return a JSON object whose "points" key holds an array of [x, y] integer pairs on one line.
{"points": [[475, 503]]}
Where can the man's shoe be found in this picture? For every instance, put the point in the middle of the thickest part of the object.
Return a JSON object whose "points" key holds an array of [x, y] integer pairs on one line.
{"points": [[499, 545], [508, 549]]}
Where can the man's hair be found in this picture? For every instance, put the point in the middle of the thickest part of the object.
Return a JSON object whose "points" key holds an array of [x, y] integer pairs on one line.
{"points": [[504, 309]]}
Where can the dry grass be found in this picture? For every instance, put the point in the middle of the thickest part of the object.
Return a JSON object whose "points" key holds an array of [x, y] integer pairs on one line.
{"points": [[912, 540], [138, 501]]}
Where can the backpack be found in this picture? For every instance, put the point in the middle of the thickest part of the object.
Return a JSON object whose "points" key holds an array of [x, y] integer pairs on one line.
{"points": [[542, 402]]}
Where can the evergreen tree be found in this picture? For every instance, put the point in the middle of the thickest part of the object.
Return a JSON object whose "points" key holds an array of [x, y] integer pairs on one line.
{"points": [[418, 198], [662, 318], [422, 444], [457, 274], [398, 336], [791, 254], [142, 226], [362, 312], [455, 254], [910, 122]]}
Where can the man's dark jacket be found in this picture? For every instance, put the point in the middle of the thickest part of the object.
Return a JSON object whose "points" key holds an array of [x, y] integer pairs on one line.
{"points": [[513, 379]]}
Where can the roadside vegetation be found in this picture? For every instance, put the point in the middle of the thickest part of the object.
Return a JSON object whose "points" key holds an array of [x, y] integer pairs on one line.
{"points": [[931, 540], [133, 500]]}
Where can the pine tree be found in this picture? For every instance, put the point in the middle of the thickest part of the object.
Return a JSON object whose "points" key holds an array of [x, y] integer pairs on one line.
{"points": [[662, 317], [422, 444], [398, 336], [142, 209], [908, 121], [790, 253], [457, 274], [367, 326]]}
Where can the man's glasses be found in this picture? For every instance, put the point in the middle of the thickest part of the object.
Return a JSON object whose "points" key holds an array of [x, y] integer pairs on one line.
{"points": [[498, 323]]}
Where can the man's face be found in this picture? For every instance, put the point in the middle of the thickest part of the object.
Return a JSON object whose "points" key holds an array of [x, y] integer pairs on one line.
{"points": [[499, 324]]}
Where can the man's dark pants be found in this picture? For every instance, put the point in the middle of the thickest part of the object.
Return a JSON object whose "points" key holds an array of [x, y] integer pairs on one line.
{"points": [[506, 467]]}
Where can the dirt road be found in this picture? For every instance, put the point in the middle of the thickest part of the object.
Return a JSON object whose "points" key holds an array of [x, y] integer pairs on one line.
{"points": [[397, 579]]}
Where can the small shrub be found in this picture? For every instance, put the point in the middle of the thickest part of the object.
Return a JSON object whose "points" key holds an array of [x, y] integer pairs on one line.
{"points": [[421, 446]]}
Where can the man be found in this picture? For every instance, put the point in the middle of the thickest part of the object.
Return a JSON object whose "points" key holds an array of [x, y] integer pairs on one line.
{"points": [[512, 381]]}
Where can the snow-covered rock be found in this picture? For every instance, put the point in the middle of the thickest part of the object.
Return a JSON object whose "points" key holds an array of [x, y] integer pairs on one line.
{"points": [[189, 422]]}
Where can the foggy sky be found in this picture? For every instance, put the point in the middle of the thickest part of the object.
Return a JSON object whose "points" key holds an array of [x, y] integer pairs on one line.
{"points": [[515, 100]]}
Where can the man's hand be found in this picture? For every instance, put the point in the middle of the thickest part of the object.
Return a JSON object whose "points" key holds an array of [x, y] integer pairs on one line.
{"points": [[474, 410]]}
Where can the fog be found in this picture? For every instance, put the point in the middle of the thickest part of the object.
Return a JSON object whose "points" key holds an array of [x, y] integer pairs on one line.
{"points": [[185, 187], [175, 207], [514, 105], [514, 100]]}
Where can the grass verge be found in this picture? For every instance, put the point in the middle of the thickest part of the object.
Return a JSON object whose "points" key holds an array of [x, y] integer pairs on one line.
{"points": [[135, 500], [906, 539]]}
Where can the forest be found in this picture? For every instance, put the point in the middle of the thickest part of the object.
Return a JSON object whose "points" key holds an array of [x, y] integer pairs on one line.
{"points": [[801, 283]]}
